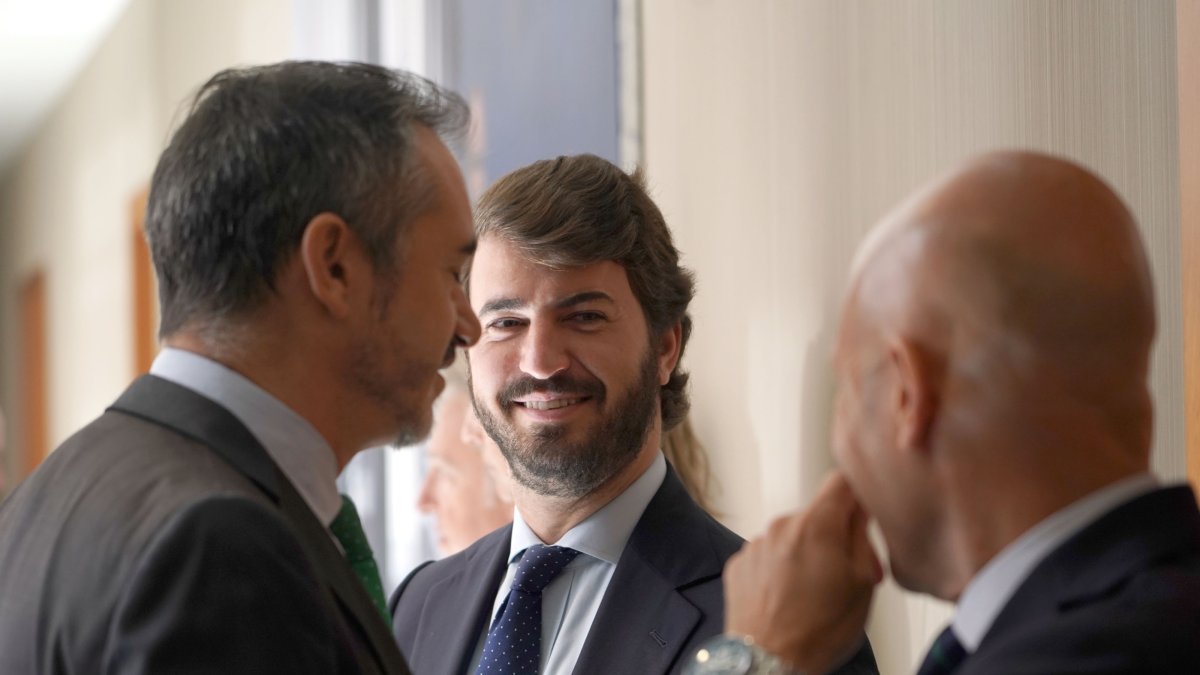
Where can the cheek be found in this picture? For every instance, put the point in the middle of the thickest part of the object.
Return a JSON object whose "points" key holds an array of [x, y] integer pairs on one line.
{"points": [[487, 370]]}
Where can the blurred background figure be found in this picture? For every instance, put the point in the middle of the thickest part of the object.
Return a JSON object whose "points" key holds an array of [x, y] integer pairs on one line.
{"points": [[687, 455], [467, 498]]}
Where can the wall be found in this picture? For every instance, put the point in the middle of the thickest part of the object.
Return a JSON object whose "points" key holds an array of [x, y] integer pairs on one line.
{"points": [[776, 133], [65, 203]]}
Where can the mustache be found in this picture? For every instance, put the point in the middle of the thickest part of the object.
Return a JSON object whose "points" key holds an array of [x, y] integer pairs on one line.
{"points": [[561, 384]]}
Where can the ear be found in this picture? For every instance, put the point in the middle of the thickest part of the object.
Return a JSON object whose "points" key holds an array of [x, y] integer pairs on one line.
{"points": [[330, 256], [917, 393], [668, 351]]}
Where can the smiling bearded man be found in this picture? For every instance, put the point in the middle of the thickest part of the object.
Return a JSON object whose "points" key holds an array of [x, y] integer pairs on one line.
{"points": [[609, 565]]}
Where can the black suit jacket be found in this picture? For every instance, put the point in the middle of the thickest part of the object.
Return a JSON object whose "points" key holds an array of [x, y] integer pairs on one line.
{"points": [[162, 538], [1121, 596], [664, 599]]}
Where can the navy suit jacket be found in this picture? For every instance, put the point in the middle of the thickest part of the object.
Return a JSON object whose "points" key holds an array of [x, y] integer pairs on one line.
{"points": [[162, 538], [665, 597], [1121, 596]]}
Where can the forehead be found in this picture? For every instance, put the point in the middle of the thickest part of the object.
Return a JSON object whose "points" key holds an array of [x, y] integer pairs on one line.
{"points": [[500, 270]]}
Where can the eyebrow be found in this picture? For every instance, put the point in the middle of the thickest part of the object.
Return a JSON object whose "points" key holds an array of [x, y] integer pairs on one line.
{"points": [[506, 304], [580, 298]]}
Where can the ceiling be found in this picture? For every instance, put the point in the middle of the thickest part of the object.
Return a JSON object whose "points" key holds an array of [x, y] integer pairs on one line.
{"points": [[44, 44]]}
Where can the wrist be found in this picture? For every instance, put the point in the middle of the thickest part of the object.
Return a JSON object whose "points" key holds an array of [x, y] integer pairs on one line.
{"points": [[737, 655]]}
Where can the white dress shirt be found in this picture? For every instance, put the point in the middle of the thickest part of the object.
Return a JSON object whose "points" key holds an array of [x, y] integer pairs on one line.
{"points": [[302, 454], [570, 602], [990, 590]]}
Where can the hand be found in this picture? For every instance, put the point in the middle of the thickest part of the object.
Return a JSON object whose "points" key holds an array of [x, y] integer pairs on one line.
{"points": [[802, 590]]}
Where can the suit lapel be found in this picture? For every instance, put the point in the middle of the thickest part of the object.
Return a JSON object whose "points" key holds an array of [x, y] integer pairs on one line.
{"points": [[644, 620], [197, 417], [460, 608], [332, 567]]}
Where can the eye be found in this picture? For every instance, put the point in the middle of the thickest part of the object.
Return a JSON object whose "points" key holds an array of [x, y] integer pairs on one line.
{"points": [[586, 317], [505, 323]]}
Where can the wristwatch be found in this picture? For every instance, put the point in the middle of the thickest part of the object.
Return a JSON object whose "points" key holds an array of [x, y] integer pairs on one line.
{"points": [[736, 655]]}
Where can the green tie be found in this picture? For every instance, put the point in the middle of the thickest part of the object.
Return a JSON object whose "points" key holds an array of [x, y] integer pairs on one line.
{"points": [[348, 530]]}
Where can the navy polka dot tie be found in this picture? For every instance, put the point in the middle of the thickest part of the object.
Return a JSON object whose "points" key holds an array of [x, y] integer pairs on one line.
{"points": [[514, 644]]}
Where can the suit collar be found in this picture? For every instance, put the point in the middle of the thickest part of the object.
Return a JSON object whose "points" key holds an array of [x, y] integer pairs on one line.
{"points": [[187, 412], [644, 617], [296, 447], [1099, 559], [192, 415], [994, 585]]}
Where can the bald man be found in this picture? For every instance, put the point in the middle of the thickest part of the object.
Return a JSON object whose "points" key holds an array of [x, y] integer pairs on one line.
{"points": [[993, 417]]}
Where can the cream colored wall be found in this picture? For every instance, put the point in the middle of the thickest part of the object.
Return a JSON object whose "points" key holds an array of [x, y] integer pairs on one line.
{"points": [[777, 132], [65, 204]]}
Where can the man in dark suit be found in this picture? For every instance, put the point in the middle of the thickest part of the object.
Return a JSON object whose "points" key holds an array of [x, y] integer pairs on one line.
{"points": [[993, 416], [609, 566], [307, 226]]}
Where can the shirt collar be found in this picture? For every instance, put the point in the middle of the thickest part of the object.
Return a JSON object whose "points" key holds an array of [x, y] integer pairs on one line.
{"points": [[301, 453], [990, 590], [603, 534]]}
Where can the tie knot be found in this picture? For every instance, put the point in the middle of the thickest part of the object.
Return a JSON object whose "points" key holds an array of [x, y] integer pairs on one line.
{"points": [[540, 565], [347, 527], [945, 656]]}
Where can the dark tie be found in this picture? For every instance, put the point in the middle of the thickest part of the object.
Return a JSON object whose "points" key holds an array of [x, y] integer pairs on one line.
{"points": [[514, 644], [348, 529], [944, 656]]}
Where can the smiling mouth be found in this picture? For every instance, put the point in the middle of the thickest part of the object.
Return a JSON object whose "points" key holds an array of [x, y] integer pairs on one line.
{"points": [[550, 405]]}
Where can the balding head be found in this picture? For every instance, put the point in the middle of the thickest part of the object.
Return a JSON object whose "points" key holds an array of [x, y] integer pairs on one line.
{"points": [[998, 324], [1027, 274]]}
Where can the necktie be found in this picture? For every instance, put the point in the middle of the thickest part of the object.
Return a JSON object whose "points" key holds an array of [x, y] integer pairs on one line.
{"points": [[514, 644], [944, 656], [349, 532]]}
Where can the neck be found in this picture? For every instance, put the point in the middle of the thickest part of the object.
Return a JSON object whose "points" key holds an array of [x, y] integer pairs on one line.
{"points": [[552, 517], [275, 367], [993, 513]]}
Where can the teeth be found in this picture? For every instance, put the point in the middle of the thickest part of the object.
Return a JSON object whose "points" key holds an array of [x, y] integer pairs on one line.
{"points": [[552, 405]]}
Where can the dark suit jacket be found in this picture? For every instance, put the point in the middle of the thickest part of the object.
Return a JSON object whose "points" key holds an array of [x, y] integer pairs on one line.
{"points": [[1122, 596], [162, 538], [664, 599]]}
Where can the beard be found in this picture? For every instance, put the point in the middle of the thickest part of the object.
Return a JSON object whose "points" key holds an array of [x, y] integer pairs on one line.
{"points": [[546, 461], [404, 387]]}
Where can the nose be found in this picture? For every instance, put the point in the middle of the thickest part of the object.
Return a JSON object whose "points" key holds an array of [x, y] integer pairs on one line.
{"points": [[467, 329], [425, 500], [543, 353]]}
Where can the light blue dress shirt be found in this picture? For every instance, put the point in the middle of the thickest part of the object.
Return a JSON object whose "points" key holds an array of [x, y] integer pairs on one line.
{"points": [[571, 601]]}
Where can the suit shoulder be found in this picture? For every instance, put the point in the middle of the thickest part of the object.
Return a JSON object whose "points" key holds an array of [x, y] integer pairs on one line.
{"points": [[418, 582], [225, 583]]}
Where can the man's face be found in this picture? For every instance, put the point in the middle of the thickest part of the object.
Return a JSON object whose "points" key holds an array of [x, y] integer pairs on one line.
{"points": [[420, 313], [564, 377], [886, 479], [458, 489]]}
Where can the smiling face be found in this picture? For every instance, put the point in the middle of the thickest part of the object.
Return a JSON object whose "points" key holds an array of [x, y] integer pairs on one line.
{"points": [[421, 313], [564, 377]]}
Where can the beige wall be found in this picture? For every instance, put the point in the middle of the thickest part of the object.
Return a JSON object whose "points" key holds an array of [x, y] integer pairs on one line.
{"points": [[777, 132], [65, 204]]}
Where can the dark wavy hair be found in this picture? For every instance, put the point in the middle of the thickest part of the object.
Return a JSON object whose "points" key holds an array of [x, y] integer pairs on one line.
{"points": [[580, 210], [265, 149]]}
